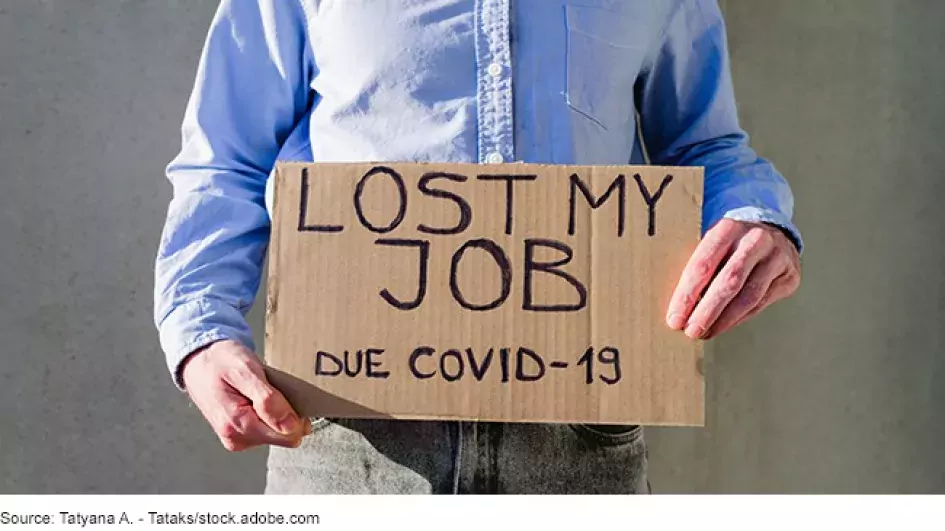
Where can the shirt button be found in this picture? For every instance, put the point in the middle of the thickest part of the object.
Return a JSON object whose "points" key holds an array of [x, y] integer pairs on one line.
{"points": [[494, 69], [494, 158]]}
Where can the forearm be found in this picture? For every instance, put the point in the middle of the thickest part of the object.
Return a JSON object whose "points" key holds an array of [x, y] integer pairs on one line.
{"points": [[250, 93], [740, 185], [208, 266], [689, 118]]}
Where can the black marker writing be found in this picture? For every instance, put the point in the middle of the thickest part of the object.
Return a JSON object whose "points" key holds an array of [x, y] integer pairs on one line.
{"points": [[303, 210], [651, 200], [605, 356], [619, 185], [460, 367], [531, 266], [424, 247], [502, 262], [509, 195], [415, 358], [322, 357], [372, 364], [401, 193], [520, 373], [351, 364], [451, 365], [478, 368], [465, 211], [456, 364]]}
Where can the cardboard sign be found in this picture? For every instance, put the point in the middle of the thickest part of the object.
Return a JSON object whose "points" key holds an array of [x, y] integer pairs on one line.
{"points": [[512, 292]]}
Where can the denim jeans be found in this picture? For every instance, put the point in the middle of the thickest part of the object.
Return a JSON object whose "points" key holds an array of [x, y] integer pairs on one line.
{"points": [[347, 456]]}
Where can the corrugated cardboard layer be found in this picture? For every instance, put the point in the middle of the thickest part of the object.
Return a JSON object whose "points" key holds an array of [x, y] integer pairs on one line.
{"points": [[511, 292]]}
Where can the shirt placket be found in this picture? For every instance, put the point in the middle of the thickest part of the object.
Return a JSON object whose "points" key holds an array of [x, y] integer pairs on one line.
{"points": [[494, 91]]}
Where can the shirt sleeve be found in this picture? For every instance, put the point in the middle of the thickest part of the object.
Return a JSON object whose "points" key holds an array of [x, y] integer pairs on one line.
{"points": [[250, 92], [688, 117]]}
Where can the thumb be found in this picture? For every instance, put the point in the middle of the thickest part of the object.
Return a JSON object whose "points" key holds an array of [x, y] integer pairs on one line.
{"points": [[270, 405]]}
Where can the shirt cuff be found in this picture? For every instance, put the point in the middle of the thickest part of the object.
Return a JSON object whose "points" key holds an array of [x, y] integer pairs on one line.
{"points": [[769, 216], [196, 324]]}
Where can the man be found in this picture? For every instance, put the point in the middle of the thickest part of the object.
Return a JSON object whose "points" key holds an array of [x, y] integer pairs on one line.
{"points": [[487, 81]]}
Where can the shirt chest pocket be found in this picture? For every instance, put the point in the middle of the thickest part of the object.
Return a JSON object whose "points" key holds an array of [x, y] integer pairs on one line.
{"points": [[605, 50]]}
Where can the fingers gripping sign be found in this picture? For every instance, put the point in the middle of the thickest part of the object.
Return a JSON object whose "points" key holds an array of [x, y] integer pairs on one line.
{"points": [[228, 385], [738, 270]]}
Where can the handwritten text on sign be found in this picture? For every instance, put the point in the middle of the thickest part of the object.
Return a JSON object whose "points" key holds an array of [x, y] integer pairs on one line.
{"points": [[423, 290]]}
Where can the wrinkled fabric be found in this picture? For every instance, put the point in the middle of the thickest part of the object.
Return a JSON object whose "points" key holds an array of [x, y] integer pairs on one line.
{"points": [[541, 81], [349, 456], [484, 81]]}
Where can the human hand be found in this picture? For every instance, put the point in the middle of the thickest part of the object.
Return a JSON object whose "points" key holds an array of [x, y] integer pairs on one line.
{"points": [[736, 271], [227, 383]]}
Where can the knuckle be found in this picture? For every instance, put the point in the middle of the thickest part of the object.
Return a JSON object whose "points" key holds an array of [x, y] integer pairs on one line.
{"points": [[268, 396], [242, 370], [795, 275], [738, 270], [247, 364], [765, 236], [792, 279], [703, 267], [732, 285], [753, 237], [794, 284], [269, 399], [788, 261], [762, 235], [230, 432], [725, 223]]}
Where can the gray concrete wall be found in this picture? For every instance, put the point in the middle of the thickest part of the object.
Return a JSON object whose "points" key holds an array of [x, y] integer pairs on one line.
{"points": [[91, 96], [841, 388], [836, 390]]}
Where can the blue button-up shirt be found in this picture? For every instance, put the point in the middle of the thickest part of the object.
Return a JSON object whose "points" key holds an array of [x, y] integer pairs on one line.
{"points": [[542, 81]]}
